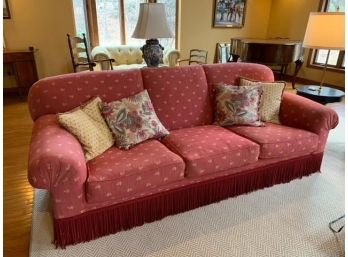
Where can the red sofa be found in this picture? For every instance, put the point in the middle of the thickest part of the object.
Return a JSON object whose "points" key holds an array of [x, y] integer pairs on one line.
{"points": [[197, 164]]}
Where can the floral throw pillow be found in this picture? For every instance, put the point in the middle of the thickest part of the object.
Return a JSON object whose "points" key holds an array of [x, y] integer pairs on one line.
{"points": [[133, 120], [237, 105]]}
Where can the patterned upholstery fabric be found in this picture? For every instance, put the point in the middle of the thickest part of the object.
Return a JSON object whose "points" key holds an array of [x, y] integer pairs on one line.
{"points": [[179, 95], [133, 120], [299, 112], [229, 73], [237, 105], [270, 100], [88, 125], [65, 92], [56, 158], [57, 163], [279, 141], [209, 149], [118, 173], [63, 172]]}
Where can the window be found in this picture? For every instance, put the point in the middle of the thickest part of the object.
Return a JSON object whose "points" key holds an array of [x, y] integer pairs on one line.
{"points": [[115, 21], [131, 12], [80, 17], [108, 20], [336, 57]]}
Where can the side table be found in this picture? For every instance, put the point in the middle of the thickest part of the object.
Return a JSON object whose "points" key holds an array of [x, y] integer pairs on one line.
{"points": [[324, 96], [20, 71]]}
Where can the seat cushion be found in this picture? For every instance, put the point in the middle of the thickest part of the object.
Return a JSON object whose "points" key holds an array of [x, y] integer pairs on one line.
{"points": [[128, 66], [208, 149], [278, 140], [120, 173]]}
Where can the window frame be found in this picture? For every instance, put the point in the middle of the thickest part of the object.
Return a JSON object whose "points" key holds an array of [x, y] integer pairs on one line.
{"points": [[314, 52], [92, 23]]}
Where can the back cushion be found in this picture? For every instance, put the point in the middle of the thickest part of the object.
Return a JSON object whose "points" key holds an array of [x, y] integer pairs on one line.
{"points": [[62, 93], [229, 73], [179, 95], [126, 54]]}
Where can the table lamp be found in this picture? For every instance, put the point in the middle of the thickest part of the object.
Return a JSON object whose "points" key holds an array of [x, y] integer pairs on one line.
{"points": [[152, 24], [325, 30]]}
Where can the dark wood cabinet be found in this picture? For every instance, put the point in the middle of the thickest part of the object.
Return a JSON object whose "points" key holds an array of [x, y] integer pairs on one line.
{"points": [[19, 72]]}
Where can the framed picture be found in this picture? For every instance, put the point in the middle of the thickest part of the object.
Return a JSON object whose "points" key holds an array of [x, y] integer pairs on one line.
{"points": [[229, 13], [6, 10]]}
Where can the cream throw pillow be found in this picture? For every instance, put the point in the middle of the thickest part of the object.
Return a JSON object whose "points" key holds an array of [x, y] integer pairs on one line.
{"points": [[270, 100], [88, 125]]}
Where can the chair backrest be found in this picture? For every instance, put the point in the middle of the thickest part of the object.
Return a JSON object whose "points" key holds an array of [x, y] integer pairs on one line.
{"points": [[198, 56], [126, 54], [79, 53]]}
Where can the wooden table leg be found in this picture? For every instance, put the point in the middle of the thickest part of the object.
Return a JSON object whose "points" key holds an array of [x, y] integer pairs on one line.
{"points": [[298, 63]]}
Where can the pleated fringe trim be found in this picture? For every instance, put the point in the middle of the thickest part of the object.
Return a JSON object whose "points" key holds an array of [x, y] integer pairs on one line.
{"points": [[123, 216]]}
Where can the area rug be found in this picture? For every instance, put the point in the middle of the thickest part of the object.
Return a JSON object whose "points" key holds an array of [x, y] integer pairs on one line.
{"points": [[284, 220]]}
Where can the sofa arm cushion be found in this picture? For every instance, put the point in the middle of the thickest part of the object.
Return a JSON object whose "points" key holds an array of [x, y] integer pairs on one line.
{"points": [[299, 112], [101, 53], [56, 158], [171, 57]]}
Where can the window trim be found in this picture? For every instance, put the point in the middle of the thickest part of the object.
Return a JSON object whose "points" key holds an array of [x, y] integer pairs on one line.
{"points": [[92, 24], [312, 64], [313, 52]]}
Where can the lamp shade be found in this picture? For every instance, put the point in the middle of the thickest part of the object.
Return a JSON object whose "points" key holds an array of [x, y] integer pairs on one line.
{"points": [[325, 30], [152, 22]]}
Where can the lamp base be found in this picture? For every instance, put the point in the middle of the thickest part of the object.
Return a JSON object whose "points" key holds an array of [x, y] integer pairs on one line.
{"points": [[152, 52]]}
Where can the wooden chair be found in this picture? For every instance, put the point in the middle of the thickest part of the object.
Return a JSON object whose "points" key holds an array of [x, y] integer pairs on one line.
{"points": [[197, 56], [80, 56]]}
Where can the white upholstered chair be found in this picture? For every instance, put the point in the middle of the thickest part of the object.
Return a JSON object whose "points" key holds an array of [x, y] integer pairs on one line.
{"points": [[126, 56]]}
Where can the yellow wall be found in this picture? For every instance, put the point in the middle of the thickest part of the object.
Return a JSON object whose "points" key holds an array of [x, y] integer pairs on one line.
{"points": [[196, 30], [289, 19], [44, 25]]}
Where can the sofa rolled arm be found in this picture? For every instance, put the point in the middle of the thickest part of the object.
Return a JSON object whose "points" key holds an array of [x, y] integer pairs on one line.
{"points": [[171, 57], [56, 158], [297, 111], [101, 53]]}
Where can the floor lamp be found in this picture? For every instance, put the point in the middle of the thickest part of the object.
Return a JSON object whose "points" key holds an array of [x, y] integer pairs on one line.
{"points": [[325, 30]]}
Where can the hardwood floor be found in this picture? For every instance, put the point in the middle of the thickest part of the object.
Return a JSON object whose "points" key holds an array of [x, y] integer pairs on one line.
{"points": [[18, 193]]}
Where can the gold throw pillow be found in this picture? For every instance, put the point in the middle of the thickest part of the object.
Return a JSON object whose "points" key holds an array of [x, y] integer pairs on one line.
{"points": [[88, 125], [270, 100]]}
